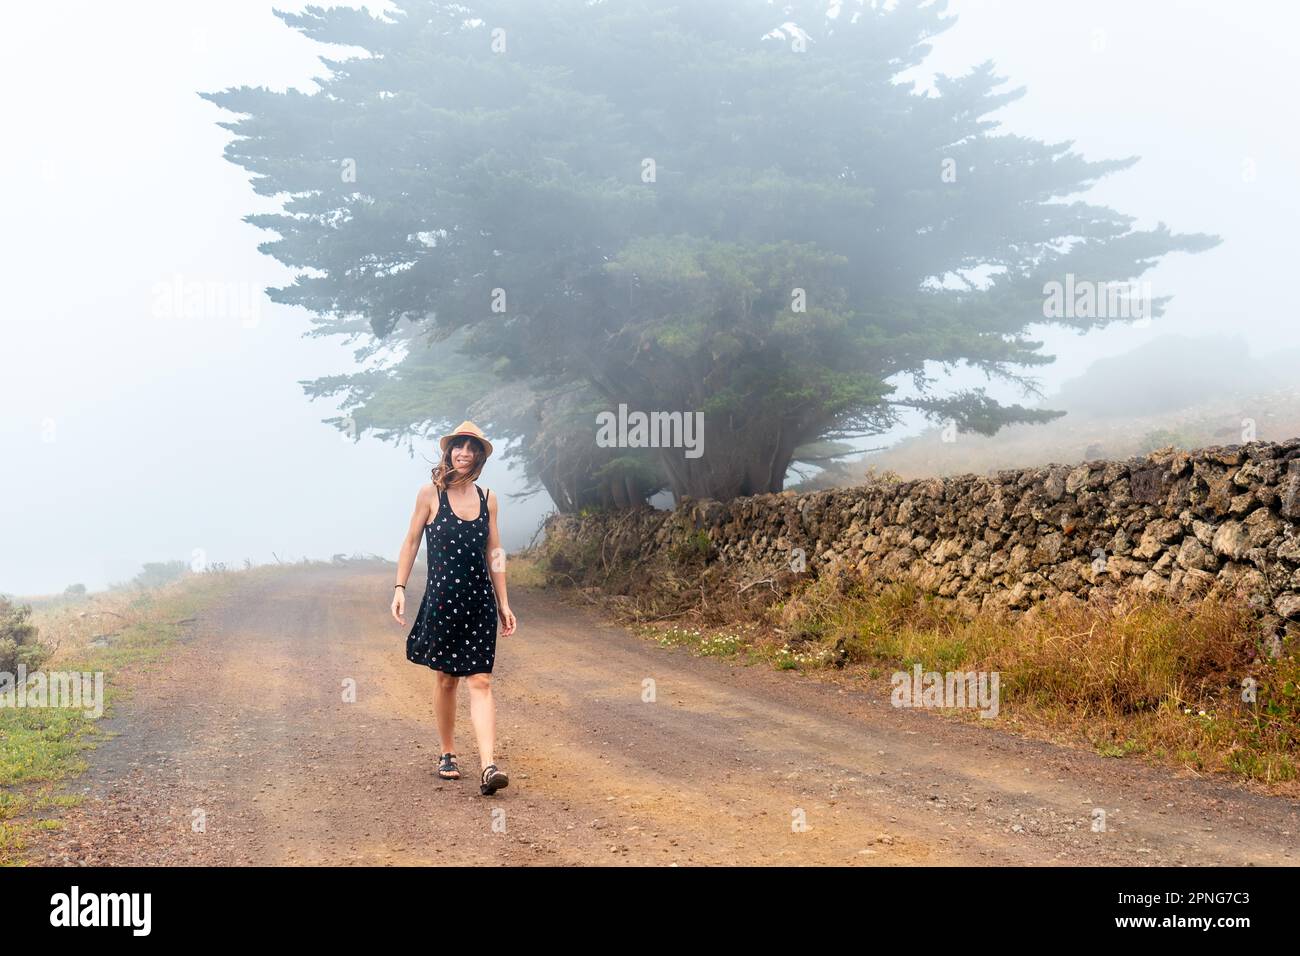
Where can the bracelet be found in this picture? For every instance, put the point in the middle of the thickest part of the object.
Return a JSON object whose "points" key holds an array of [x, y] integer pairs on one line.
{"points": [[402, 586]]}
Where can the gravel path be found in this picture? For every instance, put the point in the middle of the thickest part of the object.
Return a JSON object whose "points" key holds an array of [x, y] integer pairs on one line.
{"points": [[245, 728]]}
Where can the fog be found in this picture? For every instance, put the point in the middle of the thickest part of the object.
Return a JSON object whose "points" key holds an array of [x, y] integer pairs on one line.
{"points": [[130, 435]]}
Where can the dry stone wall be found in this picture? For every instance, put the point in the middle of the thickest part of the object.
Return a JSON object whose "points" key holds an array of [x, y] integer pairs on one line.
{"points": [[1177, 523]]}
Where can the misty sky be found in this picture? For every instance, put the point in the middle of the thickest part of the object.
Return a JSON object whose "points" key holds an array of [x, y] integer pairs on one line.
{"points": [[127, 435]]}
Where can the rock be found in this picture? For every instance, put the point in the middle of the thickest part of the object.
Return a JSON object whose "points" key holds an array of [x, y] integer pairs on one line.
{"points": [[1153, 583], [1155, 537], [1192, 555], [1289, 492], [1287, 605], [1231, 540], [1218, 486], [1241, 504], [1262, 527], [1185, 584], [1048, 549], [1227, 455], [1054, 486], [1121, 567], [1146, 485], [1244, 581]]}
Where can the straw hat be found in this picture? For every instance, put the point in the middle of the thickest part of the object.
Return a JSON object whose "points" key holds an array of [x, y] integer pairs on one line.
{"points": [[467, 428]]}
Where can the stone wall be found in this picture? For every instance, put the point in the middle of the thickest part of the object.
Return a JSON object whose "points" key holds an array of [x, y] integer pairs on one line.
{"points": [[1176, 523]]}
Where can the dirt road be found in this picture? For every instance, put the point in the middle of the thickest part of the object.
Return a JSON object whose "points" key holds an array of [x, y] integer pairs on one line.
{"points": [[240, 748]]}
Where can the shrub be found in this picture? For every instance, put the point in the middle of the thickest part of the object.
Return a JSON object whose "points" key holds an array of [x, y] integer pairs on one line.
{"points": [[155, 574], [18, 638], [696, 547]]}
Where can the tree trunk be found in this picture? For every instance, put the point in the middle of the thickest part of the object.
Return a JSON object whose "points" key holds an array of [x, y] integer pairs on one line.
{"points": [[618, 490], [752, 460]]}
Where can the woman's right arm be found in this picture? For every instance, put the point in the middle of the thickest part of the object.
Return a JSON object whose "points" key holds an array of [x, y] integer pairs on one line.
{"points": [[410, 548]]}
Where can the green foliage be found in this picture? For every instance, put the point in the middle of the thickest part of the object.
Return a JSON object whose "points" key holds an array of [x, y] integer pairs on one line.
{"points": [[19, 642], [155, 574], [694, 548], [674, 206], [1276, 719]]}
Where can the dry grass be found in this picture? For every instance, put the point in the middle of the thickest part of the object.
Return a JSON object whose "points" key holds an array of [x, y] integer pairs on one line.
{"points": [[524, 570], [1144, 675]]}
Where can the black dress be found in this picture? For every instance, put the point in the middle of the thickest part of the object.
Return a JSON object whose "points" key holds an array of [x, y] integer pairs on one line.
{"points": [[455, 630]]}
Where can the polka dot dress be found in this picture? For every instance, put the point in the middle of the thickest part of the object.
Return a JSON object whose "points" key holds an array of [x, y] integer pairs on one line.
{"points": [[455, 630]]}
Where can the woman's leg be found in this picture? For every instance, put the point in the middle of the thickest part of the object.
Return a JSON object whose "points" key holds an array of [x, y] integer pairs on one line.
{"points": [[444, 711], [483, 715]]}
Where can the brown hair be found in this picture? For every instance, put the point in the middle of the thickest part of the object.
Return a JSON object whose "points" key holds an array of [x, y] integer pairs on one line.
{"points": [[444, 470]]}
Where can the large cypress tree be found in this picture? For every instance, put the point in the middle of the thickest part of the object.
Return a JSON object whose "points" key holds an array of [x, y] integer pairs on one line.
{"points": [[722, 206]]}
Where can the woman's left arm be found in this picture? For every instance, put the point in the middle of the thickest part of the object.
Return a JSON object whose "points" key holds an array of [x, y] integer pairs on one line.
{"points": [[497, 567]]}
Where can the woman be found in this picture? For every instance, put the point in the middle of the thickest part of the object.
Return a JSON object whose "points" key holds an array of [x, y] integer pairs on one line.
{"points": [[455, 630]]}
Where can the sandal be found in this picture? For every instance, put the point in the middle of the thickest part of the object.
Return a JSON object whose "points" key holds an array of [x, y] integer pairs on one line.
{"points": [[493, 780], [447, 768]]}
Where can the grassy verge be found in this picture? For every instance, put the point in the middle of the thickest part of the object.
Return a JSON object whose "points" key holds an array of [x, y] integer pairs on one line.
{"points": [[113, 633], [1189, 685], [1144, 677], [524, 570]]}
